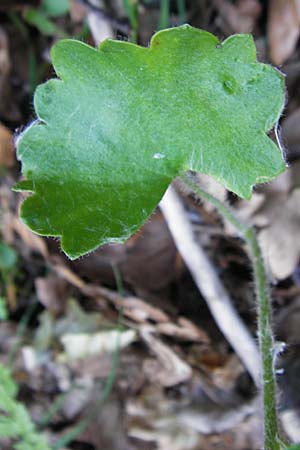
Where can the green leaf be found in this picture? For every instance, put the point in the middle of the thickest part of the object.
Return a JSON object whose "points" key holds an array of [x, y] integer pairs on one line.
{"points": [[8, 258], [55, 8], [3, 309], [39, 20], [15, 421], [123, 121]]}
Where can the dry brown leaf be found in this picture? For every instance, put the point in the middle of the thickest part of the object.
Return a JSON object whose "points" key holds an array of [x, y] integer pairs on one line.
{"points": [[107, 430], [132, 307], [280, 239], [185, 331], [287, 327], [291, 132], [69, 276], [271, 192], [6, 202], [276, 213], [140, 311], [80, 345], [177, 424], [283, 28], [291, 424], [239, 17], [77, 398], [32, 240], [167, 369], [52, 292], [7, 153], [225, 377], [146, 261]]}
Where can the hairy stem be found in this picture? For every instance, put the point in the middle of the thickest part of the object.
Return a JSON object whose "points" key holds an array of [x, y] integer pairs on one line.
{"points": [[272, 440]]}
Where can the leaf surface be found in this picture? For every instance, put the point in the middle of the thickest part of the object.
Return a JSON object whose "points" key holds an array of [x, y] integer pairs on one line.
{"points": [[123, 121]]}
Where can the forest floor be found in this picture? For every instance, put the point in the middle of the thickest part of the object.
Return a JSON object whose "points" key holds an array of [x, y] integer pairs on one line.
{"points": [[119, 350]]}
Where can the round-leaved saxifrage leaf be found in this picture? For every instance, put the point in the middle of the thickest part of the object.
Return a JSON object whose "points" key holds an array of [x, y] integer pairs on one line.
{"points": [[122, 121]]}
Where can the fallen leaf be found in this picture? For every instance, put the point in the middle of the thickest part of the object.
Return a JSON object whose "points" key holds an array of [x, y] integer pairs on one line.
{"points": [[140, 311], [280, 236], [78, 321], [147, 261], [241, 16], [79, 345], [283, 28], [180, 425], [77, 398], [185, 330], [168, 369], [7, 152], [291, 132], [53, 292], [291, 423], [107, 430], [31, 240]]}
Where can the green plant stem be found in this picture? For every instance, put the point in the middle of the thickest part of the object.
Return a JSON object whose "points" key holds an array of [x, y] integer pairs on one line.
{"points": [[266, 342], [164, 15], [181, 11], [131, 7], [272, 439]]}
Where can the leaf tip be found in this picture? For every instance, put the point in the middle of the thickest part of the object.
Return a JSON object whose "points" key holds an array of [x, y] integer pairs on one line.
{"points": [[241, 46]]}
